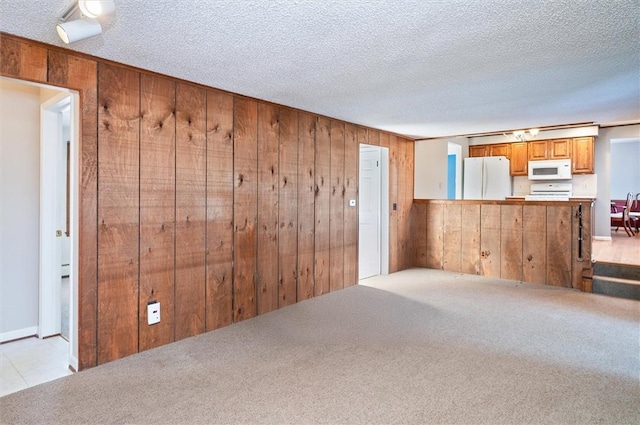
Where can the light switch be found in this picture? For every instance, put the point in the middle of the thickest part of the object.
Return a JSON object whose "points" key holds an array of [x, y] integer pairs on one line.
{"points": [[352, 202]]}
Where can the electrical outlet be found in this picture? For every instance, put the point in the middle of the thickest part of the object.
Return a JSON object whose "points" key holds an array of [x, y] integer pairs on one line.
{"points": [[153, 312]]}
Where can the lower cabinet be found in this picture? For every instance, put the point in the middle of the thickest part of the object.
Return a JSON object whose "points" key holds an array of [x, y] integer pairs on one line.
{"points": [[548, 243]]}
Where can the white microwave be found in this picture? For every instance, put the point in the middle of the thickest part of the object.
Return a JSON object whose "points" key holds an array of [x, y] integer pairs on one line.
{"points": [[551, 169]]}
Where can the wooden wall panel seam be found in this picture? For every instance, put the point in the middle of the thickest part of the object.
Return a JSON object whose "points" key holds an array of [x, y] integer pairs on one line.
{"points": [[206, 207], [277, 226], [139, 209], [297, 190], [257, 213], [233, 215], [175, 213]]}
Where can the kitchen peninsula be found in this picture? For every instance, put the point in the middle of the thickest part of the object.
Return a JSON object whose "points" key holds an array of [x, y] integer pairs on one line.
{"points": [[544, 242]]}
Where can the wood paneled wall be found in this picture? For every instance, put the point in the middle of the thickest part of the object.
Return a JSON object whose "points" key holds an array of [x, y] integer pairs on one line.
{"points": [[530, 242], [218, 206]]}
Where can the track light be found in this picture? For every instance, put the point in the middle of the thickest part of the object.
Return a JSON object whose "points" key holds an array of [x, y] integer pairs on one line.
{"points": [[79, 29], [86, 26], [95, 8]]}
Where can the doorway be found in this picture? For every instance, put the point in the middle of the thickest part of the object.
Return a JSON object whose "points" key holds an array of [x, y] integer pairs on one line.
{"points": [[454, 171], [55, 152], [373, 212], [47, 203]]}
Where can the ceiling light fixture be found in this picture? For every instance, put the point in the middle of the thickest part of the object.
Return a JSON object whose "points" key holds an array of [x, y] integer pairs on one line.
{"points": [[523, 135], [86, 26]]}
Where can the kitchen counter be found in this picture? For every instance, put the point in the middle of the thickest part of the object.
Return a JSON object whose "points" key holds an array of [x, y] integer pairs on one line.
{"points": [[511, 200], [544, 242]]}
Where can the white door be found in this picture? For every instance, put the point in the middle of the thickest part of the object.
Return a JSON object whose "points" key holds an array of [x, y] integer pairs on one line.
{"points": [[51, 127], [369, 213]]}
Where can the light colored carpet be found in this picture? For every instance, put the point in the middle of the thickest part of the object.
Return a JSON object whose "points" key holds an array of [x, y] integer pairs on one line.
{"points": [[420, 346]]}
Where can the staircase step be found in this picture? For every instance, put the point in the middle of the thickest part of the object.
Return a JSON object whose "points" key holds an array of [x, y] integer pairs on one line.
{"points": [[616, 287], [624, 271]]}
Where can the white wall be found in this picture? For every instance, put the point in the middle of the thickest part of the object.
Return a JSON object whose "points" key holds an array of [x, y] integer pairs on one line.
{"points": [[625, 176], [430, 171], [19, 234], [603, 166]]}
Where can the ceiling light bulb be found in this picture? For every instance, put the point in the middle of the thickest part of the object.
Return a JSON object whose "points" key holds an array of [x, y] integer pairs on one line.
{"points": [[78, 30], [95, 8]]}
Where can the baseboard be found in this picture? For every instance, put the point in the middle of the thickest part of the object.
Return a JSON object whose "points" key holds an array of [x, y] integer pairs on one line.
{"points": [[18, 334], [601, 238], [73, 363]]}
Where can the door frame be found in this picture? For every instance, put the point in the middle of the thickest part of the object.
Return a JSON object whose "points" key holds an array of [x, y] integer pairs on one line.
{"points": [[384, 211], [49, 308]]}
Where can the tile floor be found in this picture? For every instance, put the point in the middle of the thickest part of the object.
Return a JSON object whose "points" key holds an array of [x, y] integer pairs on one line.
{"points": [[32, 361]]}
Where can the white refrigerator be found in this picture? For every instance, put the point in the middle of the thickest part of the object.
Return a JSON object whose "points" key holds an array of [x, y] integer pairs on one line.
{"points": [[486, 178]]}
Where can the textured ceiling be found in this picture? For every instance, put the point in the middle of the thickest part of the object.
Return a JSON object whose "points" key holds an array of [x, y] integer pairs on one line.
{"points": [[424, 68]]}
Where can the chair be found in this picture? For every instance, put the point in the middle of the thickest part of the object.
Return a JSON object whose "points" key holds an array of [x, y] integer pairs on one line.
{"points": [[634, 213], [624, 218]]}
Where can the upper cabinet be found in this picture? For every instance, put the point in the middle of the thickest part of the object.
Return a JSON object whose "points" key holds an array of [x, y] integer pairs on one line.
{"points": [[582, 155], [550, 149], [518, 163], [502, 149], [579, 150], [559, 148], [478, 150], [537, 150]]}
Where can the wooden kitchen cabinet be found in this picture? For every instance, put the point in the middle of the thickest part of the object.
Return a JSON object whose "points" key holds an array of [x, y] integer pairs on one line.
{"points": [[579, 150], [519, 161], [550, 149], [582, 155], [502, 149], [478, 150], [559, 149], [537, 150]]}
